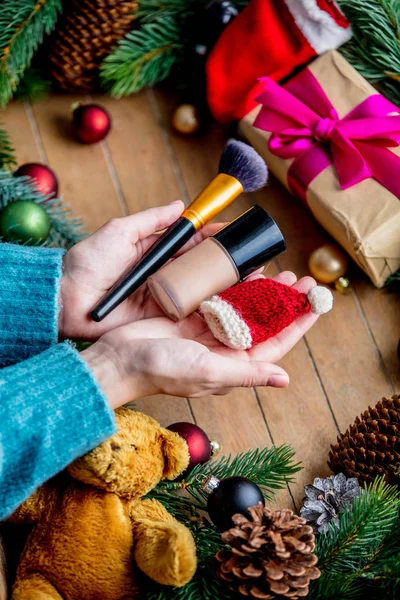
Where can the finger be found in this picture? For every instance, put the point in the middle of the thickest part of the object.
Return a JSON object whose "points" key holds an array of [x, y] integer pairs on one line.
{"points": [[286, 277], [305, 284], [226, 372], [144, 244], [275, 348], [200, 236], [256, 275], [142, 224]]}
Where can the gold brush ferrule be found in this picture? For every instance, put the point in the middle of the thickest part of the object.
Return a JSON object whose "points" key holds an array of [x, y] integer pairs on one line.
{"points": [[219, 193]]}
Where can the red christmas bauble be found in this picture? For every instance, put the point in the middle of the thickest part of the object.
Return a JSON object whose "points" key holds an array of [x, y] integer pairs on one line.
{"points": [[91, 123], [197, 440], [45, 180]]}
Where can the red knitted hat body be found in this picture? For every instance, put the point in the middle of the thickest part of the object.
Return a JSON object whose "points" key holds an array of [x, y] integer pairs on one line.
{"points": [[266, 306], [253, 311], [268, 38]]}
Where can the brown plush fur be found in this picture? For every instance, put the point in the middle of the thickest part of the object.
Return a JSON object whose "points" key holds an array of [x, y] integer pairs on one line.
{"points": [[93, 529], [3, 573]]}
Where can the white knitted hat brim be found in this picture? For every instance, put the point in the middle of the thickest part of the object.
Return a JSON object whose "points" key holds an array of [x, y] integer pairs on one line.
{"points": [[225, 324]]}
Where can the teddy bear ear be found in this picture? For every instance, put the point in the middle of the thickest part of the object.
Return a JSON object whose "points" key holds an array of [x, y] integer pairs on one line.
{"points": [[176, 454]]}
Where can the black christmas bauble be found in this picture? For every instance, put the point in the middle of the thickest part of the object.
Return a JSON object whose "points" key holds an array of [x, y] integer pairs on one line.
{"points": [[208, 24], [232, 495], [91, 123], [199, 445]]}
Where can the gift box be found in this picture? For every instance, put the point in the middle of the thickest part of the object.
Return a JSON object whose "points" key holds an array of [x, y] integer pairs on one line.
{"points": [[333, 141]]}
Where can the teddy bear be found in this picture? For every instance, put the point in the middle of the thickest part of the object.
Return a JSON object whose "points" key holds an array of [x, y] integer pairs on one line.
{"points": [[93, 530]]}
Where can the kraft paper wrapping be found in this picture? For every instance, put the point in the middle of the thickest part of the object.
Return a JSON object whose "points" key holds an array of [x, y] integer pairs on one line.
{"points": [[364, 219]]}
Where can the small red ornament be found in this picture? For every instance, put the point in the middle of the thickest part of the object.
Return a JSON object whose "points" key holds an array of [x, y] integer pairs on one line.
{"points": [[45, 180], [91, 123], [198, 443]]}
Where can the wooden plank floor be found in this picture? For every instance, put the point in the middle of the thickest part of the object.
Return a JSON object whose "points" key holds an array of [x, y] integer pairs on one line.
{"points": [[346, 362]]}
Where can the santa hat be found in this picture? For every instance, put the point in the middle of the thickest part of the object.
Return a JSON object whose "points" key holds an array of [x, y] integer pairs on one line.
{"points": [[254, 311], [268, 38]]}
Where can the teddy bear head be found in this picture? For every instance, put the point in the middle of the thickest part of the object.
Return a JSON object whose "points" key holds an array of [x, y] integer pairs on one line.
{"points": [[135, 459]]}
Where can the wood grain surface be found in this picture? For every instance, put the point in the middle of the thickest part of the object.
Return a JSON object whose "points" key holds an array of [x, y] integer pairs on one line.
{"points": [[346, 362]]}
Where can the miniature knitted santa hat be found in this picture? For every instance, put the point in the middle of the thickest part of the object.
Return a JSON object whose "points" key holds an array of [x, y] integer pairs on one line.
{"points": [[268, 38], [254, 311]]}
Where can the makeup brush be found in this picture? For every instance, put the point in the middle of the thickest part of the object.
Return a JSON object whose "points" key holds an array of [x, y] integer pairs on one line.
{"points": [[241, 169]]}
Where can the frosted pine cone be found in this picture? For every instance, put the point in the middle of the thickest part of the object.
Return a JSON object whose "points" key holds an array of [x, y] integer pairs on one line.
{"points": [[326, 499]]}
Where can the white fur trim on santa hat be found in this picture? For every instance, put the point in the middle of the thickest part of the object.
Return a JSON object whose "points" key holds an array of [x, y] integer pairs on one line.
{"points": [[225, 324], [321, 299], [318, 27]]}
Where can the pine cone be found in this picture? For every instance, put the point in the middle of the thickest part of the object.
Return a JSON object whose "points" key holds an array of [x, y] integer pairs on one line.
{"points": [[271, 555], [371, 446], [86, 34], [326, 499]]}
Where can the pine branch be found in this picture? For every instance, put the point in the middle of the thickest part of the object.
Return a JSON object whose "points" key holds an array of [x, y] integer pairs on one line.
{"points": [[7, 152], [144, 57], [361, 555], [270, 468], [66, 228], [33, 86], [375, 50], [23, 25], [331, 586], [363, 528]]}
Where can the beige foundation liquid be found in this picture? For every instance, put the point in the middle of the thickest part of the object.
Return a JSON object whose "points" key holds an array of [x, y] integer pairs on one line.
{"points": [[181, 286], [216, 264]]}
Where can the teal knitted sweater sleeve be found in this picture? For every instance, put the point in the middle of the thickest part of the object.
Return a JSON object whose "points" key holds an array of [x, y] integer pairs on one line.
{"points": [[29, 280], [51, 412], [51, 408]]}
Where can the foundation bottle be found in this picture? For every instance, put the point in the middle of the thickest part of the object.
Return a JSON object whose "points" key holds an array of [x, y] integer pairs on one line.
{"points": [[231, 254]]}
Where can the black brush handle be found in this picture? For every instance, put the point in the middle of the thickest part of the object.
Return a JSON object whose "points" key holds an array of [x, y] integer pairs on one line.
{"points": [[172, 240]]}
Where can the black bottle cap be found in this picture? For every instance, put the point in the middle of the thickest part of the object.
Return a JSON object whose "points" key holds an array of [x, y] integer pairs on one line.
{"points": [[252, 240]]}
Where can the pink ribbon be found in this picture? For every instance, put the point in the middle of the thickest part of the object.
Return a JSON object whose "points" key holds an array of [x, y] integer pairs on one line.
{"points": [[305, 126]]}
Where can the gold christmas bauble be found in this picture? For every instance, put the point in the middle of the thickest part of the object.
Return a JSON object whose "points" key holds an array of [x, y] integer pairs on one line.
{"points": [[215, 448], [327, 263], [186, 119], [342, 285]]}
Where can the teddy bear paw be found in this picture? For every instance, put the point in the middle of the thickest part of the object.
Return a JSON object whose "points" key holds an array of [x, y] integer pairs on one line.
{"points": [[167, 554]]}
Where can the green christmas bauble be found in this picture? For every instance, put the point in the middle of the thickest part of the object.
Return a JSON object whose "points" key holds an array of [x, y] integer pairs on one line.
{"points": [[25, 222]]}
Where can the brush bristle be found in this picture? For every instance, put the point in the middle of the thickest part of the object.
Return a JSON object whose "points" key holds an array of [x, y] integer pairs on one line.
{"points": [[242, 162]]}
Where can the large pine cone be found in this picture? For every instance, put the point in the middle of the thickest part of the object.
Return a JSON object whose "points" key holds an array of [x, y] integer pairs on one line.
{"points": [[371, 446], [271, 555], [86, 34]]}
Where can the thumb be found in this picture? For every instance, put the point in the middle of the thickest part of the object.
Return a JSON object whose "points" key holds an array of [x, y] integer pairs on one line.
{"points": [[152, 220], [226, 372]]}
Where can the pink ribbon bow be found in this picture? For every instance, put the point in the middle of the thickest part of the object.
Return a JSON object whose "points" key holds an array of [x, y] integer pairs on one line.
{"points": [[305, 126]]}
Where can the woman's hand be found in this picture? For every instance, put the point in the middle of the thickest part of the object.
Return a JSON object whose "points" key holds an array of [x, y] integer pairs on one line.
{"points": [[92, 267], [184, 359]]}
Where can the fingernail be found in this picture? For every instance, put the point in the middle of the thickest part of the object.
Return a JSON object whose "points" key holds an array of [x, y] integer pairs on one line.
{"points": [[278, 380], [175, 202]]}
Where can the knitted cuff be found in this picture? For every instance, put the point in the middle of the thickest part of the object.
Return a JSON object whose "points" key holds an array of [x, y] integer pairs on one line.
{"points": [[29, 287], [51, 412]]}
